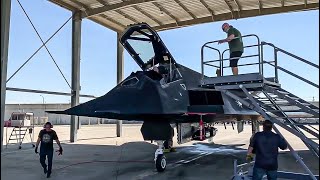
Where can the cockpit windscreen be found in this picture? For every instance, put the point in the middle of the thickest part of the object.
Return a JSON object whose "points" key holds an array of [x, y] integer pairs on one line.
{"points": [[142, 45]]}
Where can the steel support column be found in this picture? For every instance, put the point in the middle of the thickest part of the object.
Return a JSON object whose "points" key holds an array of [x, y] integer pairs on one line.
{"points": [[119, 76], [255, 126], [5, 26], [75, 84]]}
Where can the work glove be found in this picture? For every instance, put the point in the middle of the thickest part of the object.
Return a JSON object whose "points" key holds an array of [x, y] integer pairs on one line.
{"points": [[60, 151], [36, 150], [249, 157]]}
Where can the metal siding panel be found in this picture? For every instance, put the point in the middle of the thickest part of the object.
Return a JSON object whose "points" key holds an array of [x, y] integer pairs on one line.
{"points": [[96, 5], [72, 3], [89, 3], [233, 4], [106, 22], [113, 1], [218, 6], [271, 3], [86, 2], [155, 12], [293, 2], [197, 8], [118, 17], [176, 10], [249, 4], [313, 1], [138, 16]]}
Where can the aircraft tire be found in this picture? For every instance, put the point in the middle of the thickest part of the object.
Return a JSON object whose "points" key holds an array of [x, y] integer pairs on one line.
{"points": [[161, 163]]}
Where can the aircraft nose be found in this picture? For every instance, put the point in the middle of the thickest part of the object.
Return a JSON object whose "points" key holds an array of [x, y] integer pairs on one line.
{"points": [[135, 95]]}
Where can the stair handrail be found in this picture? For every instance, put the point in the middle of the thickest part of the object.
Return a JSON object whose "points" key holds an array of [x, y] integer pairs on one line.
{"points": [[276, 50], [290, 54]]}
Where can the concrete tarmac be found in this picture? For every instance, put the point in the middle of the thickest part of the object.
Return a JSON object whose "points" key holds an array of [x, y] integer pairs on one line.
{"points": [[99, 154]]}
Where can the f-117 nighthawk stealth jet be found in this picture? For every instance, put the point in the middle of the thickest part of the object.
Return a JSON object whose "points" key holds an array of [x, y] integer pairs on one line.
{"points": [[163, 94]]}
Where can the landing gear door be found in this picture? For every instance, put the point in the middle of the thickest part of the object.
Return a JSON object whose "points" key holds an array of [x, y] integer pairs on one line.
{"points": [[185, 132]]}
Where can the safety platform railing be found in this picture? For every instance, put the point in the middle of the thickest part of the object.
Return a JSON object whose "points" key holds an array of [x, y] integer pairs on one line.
{"points": [[220, 60], [259, 54]]}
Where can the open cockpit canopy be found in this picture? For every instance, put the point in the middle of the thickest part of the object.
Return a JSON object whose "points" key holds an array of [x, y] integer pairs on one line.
{"points": [[145, 46]]}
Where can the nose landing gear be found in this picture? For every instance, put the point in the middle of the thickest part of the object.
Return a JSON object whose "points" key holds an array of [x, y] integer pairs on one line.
{"points": [[159, 157]]}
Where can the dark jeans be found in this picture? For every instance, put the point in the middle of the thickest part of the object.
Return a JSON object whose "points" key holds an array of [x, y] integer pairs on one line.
{"points": [[258, 174], [43, 155]]}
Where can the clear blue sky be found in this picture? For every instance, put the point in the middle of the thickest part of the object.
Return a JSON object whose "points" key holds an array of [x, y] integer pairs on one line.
{"points": [[294, 32]]}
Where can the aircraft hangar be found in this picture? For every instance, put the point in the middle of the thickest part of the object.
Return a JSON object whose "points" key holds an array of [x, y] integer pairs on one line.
{"points": [[159, 14], [116, 15]]}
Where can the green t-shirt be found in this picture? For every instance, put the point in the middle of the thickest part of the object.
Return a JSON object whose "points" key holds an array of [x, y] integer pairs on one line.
{"points": [[235, 44]]}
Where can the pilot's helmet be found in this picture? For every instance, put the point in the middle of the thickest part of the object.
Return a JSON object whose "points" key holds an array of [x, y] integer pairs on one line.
{"points": [[162, 70]]}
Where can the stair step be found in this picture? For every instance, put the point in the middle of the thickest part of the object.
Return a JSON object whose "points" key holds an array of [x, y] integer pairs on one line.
{"points": [[314, 139], [267, 100], [282, 117], [280, 104], [272, 95], [15, 139], [18, 134], [301, 124], [298, 110], [277, 102], [283, 92], [305, 104], [294, 98]]}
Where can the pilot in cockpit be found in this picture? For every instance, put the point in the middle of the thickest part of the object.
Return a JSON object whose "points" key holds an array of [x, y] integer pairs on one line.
{"points": [[161, 68], [162, 71]]}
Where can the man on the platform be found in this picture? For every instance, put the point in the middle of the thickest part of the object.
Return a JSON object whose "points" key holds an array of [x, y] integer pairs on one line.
{"points": [[46, 137], [234, 40]]}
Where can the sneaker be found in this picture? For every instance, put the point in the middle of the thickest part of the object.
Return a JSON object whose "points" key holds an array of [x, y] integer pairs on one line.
{"points": [[48, 174], [169, 150], [166, 150], [45, 170]]}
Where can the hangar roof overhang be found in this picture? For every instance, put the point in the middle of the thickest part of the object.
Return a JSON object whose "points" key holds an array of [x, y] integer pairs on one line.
{"points": [[170, 14]]}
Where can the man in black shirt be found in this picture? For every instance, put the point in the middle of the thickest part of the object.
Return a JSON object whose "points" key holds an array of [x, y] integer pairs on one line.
{"points": [[46, 137], [265, 145]]}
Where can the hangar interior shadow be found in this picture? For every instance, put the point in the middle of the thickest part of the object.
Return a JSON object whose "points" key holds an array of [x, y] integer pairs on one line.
{"points": [[134, 160]]}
